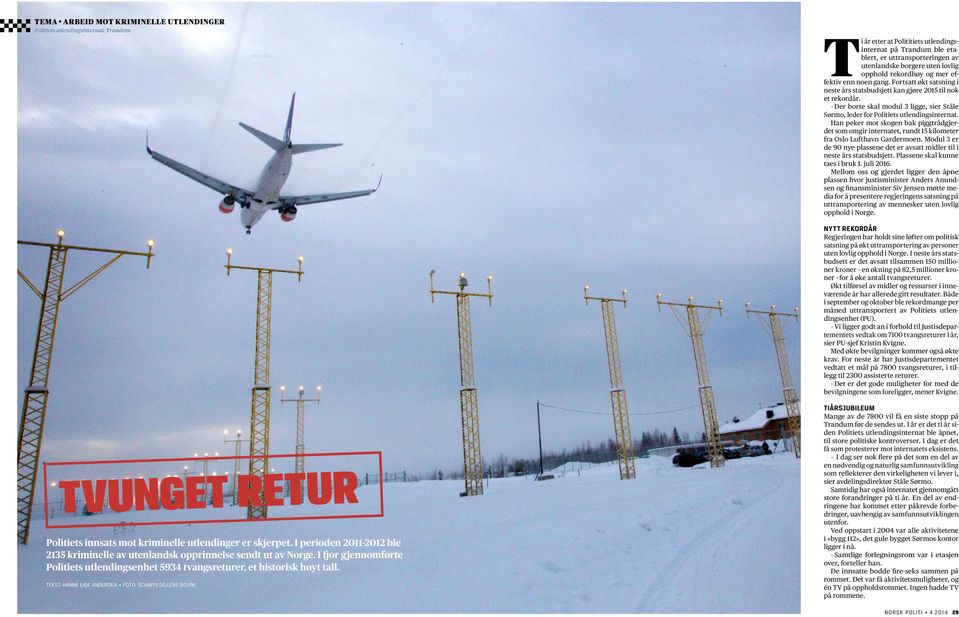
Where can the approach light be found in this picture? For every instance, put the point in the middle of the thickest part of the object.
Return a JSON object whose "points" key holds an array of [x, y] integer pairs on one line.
{"points": [[59, 233], [229, 251]]}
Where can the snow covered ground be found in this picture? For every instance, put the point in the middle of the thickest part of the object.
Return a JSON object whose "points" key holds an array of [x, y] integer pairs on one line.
{"points": [[673, 540]]}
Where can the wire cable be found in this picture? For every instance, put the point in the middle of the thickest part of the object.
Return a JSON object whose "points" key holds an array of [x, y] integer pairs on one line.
{"points": [[601, 413]]}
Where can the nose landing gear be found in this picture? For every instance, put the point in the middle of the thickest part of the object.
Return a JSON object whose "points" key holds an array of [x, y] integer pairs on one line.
{"points": [[248, 231]]}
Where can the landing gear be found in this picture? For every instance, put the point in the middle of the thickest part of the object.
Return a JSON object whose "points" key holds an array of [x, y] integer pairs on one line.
{"points": [[248, 231]]}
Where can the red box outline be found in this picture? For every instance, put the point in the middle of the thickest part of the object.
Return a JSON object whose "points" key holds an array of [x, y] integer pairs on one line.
{"points": [[46, 512]]}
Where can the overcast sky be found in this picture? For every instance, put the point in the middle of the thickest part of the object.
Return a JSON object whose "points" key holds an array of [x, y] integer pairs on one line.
{"points": [[653, 147]]}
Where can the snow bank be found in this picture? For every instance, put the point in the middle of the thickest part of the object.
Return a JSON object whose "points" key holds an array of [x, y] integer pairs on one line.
{"points": [[673, 540]]}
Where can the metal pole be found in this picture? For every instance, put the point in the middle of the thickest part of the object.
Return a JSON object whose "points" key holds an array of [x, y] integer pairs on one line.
{"points": [[299, 466], [236, 466], [236, 460], [694, 327], [539, 429], [34, 410], [789, 391], [617, 393], [469, 405], [261, 392]]}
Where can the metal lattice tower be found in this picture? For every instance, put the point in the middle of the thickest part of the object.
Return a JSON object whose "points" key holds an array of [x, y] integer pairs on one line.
{"points": [[260, 405], [186, 473], [35, 394], [707, 403], [775, 332], [617, 393], [469, 404], [300, 404], [236, 460]]}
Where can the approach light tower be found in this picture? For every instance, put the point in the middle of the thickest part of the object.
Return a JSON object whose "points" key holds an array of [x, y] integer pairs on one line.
{"points": [[260, 405], [617, 393], [469, 405], [694, 330], [775, 332], [35, 394], [185, 473], [206, 468], [236, 460], [300, 404]]}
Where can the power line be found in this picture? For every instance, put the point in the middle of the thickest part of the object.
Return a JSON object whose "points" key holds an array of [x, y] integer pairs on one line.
{"points": [[601, 413]]}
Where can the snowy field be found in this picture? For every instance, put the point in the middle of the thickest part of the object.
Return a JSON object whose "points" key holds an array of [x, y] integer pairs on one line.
{"points": [[674, 540]]}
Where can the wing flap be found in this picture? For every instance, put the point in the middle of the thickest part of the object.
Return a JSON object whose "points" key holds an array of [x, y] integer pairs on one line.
{"points": [[300, 200]]}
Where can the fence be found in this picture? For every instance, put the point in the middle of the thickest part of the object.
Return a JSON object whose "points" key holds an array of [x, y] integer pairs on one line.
{"points": [[775, 445], [56, 509], [564, 463], [374, 478], [667, 451]]}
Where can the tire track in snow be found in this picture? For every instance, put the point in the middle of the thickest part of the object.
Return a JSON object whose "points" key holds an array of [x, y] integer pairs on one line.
{"points": [[673, 572]]}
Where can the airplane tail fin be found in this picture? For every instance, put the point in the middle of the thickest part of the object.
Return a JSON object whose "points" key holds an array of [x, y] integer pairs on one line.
{"points": [[289, 120], [269, 140], [300, 148], [279, 144]]}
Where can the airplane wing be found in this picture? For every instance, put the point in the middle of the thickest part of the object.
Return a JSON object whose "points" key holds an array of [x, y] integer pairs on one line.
{"points": [[219, 186], [299, 200]]}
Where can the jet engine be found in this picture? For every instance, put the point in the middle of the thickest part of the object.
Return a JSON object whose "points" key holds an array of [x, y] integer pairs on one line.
{"points": [[227, 205], [288, 214]]}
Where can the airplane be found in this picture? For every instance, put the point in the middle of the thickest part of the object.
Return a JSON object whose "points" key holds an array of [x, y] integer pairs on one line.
{"points": [[254, 204]]}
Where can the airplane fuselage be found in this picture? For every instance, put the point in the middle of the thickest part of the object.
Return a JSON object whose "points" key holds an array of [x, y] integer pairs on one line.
{"points": [[267, 193], [265, 196]]}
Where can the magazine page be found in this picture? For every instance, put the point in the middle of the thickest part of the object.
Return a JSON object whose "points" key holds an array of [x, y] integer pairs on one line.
{"points": [[484, 307], [406, 307], [881, 139]]}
